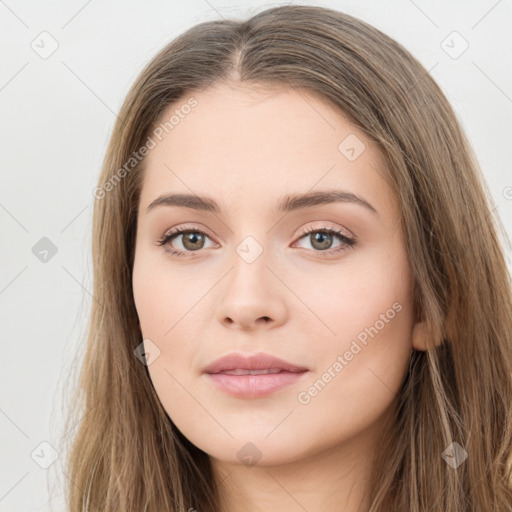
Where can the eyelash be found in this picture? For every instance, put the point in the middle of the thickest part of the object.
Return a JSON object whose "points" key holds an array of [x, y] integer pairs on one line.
{"points": [[348, 242]]}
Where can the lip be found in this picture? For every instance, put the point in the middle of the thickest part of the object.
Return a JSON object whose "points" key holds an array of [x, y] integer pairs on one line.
{"points": [[253, 386], [260, 361]]}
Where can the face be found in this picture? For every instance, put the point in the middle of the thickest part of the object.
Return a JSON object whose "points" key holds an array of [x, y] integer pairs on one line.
{"points": [[325, 286]]}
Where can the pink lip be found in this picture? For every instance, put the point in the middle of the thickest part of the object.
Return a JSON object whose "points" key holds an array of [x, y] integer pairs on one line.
{"points": [[260, 361], [253, 386]]}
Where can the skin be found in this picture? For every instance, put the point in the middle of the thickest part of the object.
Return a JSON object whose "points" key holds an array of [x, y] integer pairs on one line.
{"points": [[246, 148]]}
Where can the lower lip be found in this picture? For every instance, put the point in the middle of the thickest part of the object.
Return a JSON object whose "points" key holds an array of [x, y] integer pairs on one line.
{"points": [[254, 386]]}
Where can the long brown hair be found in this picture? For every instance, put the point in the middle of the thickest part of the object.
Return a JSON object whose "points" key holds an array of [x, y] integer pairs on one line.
{"points": [[126, 454]]}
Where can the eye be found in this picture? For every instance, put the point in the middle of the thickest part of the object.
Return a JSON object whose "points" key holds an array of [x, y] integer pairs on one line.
{"points": [[321, 239], [193, 240]]}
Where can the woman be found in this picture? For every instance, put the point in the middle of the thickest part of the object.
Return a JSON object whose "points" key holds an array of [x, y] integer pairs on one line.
{"points": [[301, 299]]}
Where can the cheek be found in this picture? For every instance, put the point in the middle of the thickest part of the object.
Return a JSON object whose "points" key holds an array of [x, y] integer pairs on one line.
{"points": [[159, 296], [362, 362], [167, 305], [371, 288], [162, 311]]}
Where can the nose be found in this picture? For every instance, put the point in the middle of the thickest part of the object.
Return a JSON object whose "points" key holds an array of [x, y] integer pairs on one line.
{"points": [[253, 296]]}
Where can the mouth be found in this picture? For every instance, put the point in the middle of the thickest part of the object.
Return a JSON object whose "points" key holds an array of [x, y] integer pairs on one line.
{"points": [[253, 376]]}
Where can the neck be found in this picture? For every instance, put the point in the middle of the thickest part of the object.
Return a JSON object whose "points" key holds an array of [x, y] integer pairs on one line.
{"points": [[331, 479]]}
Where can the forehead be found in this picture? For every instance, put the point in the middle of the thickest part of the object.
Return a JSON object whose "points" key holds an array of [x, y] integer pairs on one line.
{"points": [[250, 143]]}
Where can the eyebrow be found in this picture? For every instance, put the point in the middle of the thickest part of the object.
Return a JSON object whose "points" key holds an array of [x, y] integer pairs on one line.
{"points": [[287, 203]]}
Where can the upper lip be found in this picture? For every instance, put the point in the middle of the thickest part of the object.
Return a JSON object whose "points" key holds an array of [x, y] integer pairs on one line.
{"points": [[260, 361]]}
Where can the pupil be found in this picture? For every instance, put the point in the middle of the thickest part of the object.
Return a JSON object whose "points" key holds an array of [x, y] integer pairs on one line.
{"points": [[325, 242], [192, 238]]}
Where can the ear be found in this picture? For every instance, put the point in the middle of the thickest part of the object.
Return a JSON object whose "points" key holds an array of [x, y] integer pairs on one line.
{"points": [[419, 336], [421, 339]]}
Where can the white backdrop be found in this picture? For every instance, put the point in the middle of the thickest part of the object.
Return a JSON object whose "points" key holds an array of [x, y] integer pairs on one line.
{"points": [[65, 69]]}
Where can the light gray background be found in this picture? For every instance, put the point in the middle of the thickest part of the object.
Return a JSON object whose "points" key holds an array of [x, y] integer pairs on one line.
{"points": [[56, 116]]}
